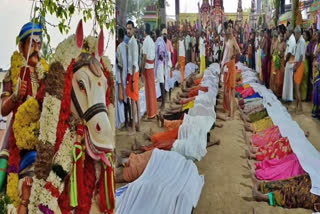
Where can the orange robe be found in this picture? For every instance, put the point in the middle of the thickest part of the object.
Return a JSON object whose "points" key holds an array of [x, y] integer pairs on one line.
{"points": [[182, 63], [150, 91]]}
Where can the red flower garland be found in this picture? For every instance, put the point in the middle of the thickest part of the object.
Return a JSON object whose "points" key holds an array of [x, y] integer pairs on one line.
{"points": [[110, 176], [14, 151], [54, 191], [65, 108], [110, 83], [85, 198], [64, 199]]}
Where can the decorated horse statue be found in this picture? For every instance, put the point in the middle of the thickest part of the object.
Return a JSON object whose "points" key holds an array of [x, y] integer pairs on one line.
{"points": [[73, 171]]}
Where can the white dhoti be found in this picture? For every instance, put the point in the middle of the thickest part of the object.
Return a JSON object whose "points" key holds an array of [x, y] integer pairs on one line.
{"points": [[161, 73], [169, 81], [287, 92]]}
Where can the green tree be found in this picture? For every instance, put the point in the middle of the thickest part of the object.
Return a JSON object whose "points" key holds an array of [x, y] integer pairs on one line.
{"points": [[276, 15], [295, 8], [46, 51], [102, 12], [137, 8]]}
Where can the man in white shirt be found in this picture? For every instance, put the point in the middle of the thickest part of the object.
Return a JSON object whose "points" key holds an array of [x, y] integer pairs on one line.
{"points": [[182, 56], [299, 66], [193, 47], [287, 93], [133, 77], [188, 47], [148, 51], [123, 106], [202, 48]]}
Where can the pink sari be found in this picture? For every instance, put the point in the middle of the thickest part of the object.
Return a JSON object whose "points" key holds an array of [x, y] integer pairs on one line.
{"points": [[247, 92], [269, 135], [278, 169]]}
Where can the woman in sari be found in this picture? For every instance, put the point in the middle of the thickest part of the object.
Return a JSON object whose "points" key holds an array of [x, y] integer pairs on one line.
{"points": [[316, 92], [305, 78], [275, 63], [290, 193], [280, 73], [272, 150]]}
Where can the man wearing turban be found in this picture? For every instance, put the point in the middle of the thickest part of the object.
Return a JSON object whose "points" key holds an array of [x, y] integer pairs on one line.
{"points": [[20, 82]]}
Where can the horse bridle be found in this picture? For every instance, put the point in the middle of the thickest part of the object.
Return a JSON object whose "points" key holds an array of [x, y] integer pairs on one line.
{"points": [[93, 110]]}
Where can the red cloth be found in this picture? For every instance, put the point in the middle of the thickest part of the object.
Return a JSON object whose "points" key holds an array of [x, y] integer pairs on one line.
{"points": [[247, 92], [275, 169], [134, 95], [269, 135], [195, 92], [277, 150], [163, 140], [150, 91]]}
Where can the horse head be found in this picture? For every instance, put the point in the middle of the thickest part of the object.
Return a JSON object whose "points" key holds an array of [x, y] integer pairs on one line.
{"points": [[88, 94]]}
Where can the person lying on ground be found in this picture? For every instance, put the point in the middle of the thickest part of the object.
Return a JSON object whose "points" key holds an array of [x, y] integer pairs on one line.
{"points": [[290, 193], [276, 169], [259, 125], [135, 165], [163, 140], [273, 150], [254, 115]]}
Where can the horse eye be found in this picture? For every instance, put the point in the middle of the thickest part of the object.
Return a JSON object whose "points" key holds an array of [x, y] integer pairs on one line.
{"points": [[81, 85]]}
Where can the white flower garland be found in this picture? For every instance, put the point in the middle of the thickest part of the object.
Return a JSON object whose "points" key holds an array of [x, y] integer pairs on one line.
{"points": [[42, 67], [66, 51], [49, 119], [107, 63], [39, 194], [64, 154], [36, 194]]}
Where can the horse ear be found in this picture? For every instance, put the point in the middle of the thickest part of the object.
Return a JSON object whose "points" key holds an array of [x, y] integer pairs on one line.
{"points": [[100, 43], [79, 34]]}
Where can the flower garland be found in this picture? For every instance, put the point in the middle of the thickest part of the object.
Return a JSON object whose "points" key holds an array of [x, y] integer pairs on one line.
{"points": [[26, 125], [87, 192], [17, 62], [45, 192], [12, 188], [13, 168], [42, 68], [49, 119], [66, 51], [65, 109], [110, 90], [53, 124]]}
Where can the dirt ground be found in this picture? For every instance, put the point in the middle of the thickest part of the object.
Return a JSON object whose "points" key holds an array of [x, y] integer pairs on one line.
{"points": [[228, 187]]}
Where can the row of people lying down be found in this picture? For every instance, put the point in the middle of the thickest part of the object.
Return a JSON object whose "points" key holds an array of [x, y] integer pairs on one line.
{"points": [[135, 160], [277, 175]]}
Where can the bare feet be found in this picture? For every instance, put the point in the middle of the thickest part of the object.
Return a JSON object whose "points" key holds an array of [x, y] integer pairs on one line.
{"points": [[219, 125], [253, 150], [124, 154], [307, 134], [216, 142], [131, 132], [136, 145], [258, 196], [119, 176], [251, 164]]}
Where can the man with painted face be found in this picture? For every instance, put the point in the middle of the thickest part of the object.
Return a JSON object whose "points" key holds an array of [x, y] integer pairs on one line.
{"points": [[19, 83], [29, 46]]}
